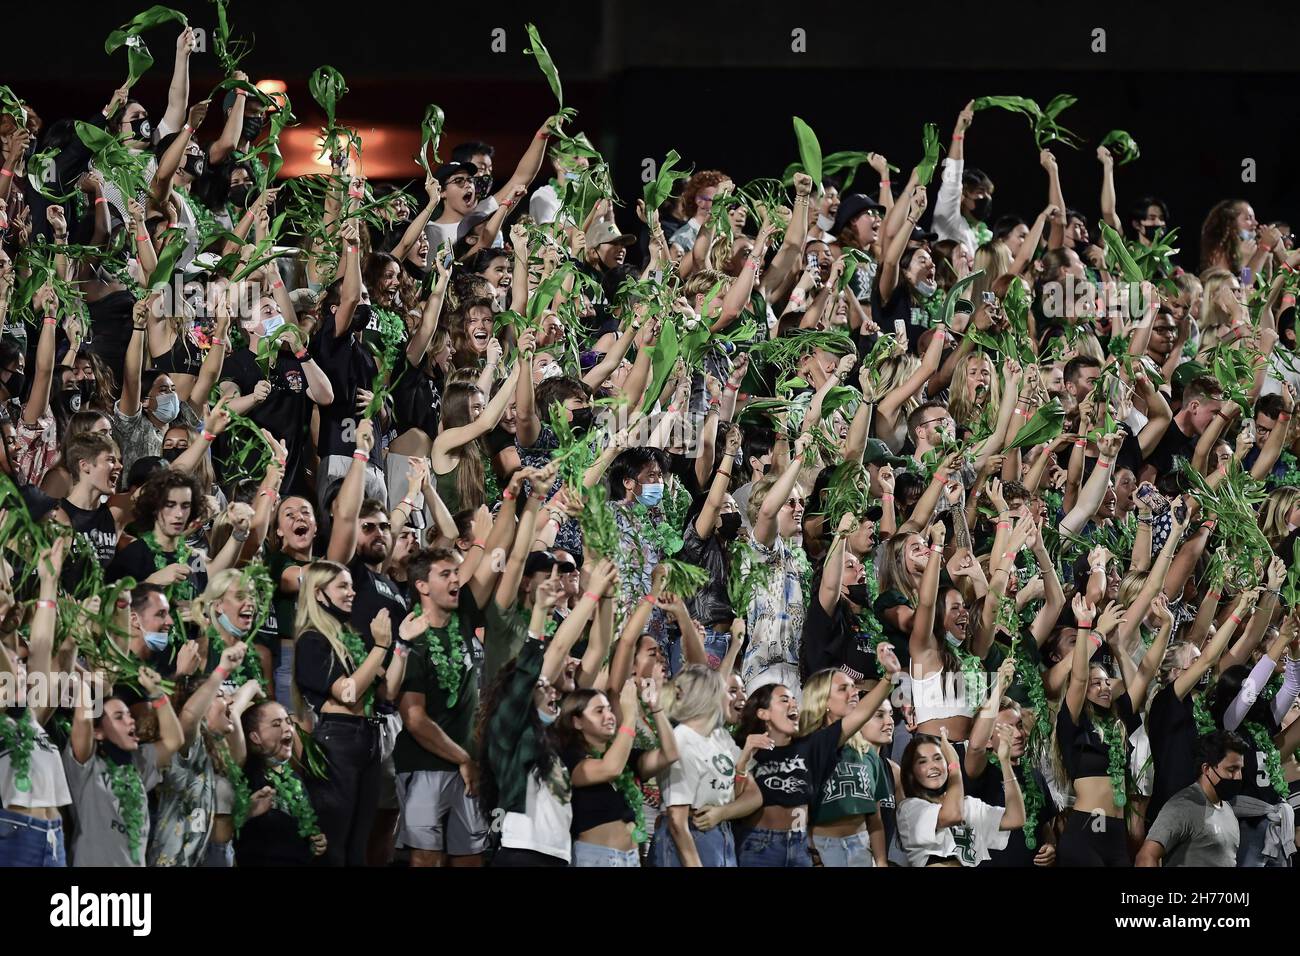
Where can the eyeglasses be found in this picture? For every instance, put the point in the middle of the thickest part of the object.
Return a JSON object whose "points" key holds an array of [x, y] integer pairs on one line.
{"points": [[795, 502], [461, 180], [935, 421], [369, 526]]}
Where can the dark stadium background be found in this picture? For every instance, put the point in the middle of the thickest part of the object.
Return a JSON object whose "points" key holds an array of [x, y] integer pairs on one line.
{"points": [[1200, 86]]}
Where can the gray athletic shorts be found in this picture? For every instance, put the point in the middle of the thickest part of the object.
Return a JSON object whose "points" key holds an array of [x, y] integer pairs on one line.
{"points": [[438, 815]]}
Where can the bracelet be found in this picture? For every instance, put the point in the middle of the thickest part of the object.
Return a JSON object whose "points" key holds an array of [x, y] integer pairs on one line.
{"points": [[1209, 523], [741, 775], [650, 599], [1266, 248], [1094, 640], [1234, 618], [400, 649], [508, 495], [884, 182], [591, 595], [272, 494], [887, 497], [1009, 556], [1213, 595], [187, 128], [958, 137], [277, 284], [409, 503], [1081, 443], [141, 238], [1284, 416], [281, 462], [6, 172], [625, 729], [1021, 412], [300, 355], [46, 605], [240, 535], [1004, 524], [208, 436], [220, 671], [158, 703], [953, 767], [755, 262], [1102, 463], [352, 249], [51, 320], [1147, 520], [1097, 569], [360, 455], [1084, 626], [100, 199], [239, 92], [938, 551], [121, 604], [543, 134], [731, 388]]}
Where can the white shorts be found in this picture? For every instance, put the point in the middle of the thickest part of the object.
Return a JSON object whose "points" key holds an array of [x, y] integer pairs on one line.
{"points": [[438, 815]]}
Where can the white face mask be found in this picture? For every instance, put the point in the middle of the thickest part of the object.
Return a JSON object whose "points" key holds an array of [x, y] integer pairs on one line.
{"points": [[825, 222], [551, 371], [1245, 235], [926, 288]]}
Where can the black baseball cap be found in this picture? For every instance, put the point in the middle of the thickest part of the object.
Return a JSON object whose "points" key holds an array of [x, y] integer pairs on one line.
{"points": [[851, 206], [920, 235], [447, 170]]}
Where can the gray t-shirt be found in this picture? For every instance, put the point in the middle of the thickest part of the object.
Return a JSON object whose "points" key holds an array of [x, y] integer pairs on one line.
{"points": [[1195, 832], [101, 838], [138, 437]]}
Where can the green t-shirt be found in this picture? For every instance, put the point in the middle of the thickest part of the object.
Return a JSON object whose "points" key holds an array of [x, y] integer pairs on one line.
{"points": [[285, 605], [503, 635], [850, 789]]}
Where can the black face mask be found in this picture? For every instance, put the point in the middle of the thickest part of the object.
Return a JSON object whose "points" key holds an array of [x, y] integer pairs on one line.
{"points": [[482, 186], [194, 165], [859, 594], [239, 195], [730, 526], [171, 454], [1225, 788], [582, 418], [71, 399], [983, 207], [361, 317], [141, 129], [86, 388], [15, 383], [252, 126], [1150, 231], [334, 610]]}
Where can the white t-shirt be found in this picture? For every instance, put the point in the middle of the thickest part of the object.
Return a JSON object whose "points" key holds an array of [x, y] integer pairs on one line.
{"points": [[969, 841], [704, 774], [47, 784], [544, 204], [544, 825]]}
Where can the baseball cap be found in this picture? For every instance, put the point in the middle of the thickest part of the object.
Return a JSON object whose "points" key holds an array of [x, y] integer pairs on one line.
{"points": [[878, 453], [606, 231], [851, 206], [920, 235], [447, 170]]}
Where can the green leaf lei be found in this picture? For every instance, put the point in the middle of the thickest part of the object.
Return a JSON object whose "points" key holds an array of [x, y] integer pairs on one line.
{"points": [[251, 666], [357, 651], [291, 797], [1201, 714], [1112, 732], [450, 667], [127, 787], [867, 620], [1272, 758], [628, 788], [233, 772], [1033, 799], [181, 590], [391, 332], [18, 735]]}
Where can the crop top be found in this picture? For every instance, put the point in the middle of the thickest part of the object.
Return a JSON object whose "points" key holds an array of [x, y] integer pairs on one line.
{"points": [[47, 783], [183, 358], [1083, 749], [599, 803], [940, 695]]}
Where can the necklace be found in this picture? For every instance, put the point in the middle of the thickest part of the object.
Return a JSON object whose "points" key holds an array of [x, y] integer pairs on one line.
{"points": [[1272, 759], [124, 781], [1113, 736], [181, 590], [249, 669], [449, 660], [357, 651], [238, 782], [626, 785], [291, 797]]}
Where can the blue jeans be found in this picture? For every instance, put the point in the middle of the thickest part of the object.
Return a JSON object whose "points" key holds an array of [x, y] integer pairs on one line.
{"points": [[284, 675], [854, 850], [591, 854], [716, 847], [220, 855], [715, 645], [26, 841], [783, 848]]}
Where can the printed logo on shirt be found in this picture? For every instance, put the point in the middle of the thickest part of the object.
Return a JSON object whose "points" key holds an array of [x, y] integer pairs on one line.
{"points": [[294, 381], [75, 909], [724, 764], [964, 839], [849, 782]]}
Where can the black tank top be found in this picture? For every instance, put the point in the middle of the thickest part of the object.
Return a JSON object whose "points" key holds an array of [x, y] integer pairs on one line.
{"points": [[183, 358], [98, 526]]}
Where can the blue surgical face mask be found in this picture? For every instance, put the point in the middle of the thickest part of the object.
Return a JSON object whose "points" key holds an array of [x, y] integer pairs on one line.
{"points": [[651, 494], [572, 176], [270, 325], [824, 222], [157, 640], [167, 406], [546, 717], [1245, 235], [230, 625]]}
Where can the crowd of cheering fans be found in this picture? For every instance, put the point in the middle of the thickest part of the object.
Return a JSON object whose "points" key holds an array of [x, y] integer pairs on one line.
{"points": [[838, 518]]}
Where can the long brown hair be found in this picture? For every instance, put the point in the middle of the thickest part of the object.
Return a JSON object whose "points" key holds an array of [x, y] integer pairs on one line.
{"points": [[469, 468]]}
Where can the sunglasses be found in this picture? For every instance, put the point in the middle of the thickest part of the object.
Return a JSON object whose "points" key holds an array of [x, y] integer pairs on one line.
{"points": [[567, 567], [369, 526]]}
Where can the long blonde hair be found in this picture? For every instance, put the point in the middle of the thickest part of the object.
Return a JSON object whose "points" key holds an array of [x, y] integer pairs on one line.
{"points": [[965, 411], [1272, 519], [698, 691], [815, 710], [310, 616], [894, 575], [204, 606], [995, 259]]}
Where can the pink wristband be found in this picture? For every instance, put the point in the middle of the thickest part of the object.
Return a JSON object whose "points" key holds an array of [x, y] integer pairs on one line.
{"points": [[886, 497], [591, 595], [159, 703], [1234, 618], [1095, 640], [6, 172], [361, 455], [51, 320], [208, 436], [46, 605], [99, 200]]}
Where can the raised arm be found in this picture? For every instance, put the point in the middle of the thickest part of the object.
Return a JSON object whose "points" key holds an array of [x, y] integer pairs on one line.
{"points": [[178, 93], [1094, 488], [766, 525]]}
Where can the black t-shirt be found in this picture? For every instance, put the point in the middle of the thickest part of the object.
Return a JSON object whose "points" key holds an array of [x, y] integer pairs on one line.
{"points": [[1255, 781], [316, 667], [793, 775], [835, 640], [900, 640], [1171, 727], [899, 307], [712, 603], [286, 411], [990, 787], [271, 839], [1083, 749], [349, 366], [599, 803], [417, 399], [99, 528], [1173, 445], [375, 592]]}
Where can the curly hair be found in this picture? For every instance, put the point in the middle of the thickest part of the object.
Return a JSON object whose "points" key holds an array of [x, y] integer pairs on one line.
{"points": [[153, 495], [463, 354], [1220, 246], [701, 180]]}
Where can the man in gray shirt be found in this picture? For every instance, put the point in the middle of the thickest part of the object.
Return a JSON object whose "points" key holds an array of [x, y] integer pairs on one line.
{"points": [[1197, 826]]}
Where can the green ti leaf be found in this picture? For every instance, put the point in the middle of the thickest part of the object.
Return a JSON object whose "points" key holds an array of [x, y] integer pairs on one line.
{"points": [[658, 190], [930, 148], [138, 56], [1043, 426], [810, 151], [430, 133], [327, 87], [1122, 145], [544, 62]]}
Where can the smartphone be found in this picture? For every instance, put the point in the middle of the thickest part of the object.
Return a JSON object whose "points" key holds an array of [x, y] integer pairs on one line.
{"points": [[990, 299], [1158, 503], [812, 262], [900, 328], [447, 261], [1180, 512]]}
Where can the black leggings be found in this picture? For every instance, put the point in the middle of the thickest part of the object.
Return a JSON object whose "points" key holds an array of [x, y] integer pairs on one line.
{"points": [[1091, 839], [346, 800]]}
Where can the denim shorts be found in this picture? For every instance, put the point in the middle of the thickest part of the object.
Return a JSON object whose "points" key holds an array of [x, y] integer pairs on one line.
{"points": [[27, 841], [716, 847], [851, 850], [782, 848], [591, 854]]}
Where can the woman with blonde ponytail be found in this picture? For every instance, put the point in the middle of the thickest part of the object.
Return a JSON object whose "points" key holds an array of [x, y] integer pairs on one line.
{"points": [[335, 680]]}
